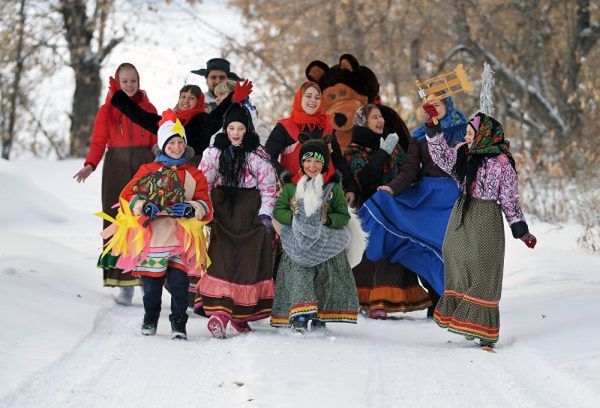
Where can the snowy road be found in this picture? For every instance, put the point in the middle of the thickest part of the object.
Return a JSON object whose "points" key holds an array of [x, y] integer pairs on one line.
{"points": [[64, 343], [373, 364]]}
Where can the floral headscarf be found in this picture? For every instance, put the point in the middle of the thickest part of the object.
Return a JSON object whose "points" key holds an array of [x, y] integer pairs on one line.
{"points": [[489, 137]]}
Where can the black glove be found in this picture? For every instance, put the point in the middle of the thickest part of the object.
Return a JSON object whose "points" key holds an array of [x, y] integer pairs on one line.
{"points": [[184, 210], [433, 130], [150, 209]]}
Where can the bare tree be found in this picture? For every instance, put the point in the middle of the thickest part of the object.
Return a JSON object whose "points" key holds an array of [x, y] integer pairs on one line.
{"points": [[8, 137], [88, 47]]}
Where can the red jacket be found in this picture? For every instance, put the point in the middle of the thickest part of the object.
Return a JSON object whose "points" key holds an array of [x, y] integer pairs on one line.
{"points": [[113, 129]]}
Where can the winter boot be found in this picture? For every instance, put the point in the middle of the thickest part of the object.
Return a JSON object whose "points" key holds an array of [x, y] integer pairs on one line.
{"points": [[178, 331], [317, 324], [299, 324], [125, 296], [217, 325], [486, 343], [378, 314], [240, 327], [149, 325]]}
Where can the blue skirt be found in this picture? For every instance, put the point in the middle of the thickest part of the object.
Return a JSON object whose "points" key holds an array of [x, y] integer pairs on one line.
{"points": [[409, 228]]}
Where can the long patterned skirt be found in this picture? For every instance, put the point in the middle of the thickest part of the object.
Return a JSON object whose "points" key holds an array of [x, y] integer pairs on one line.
{"points": [[326, 292], [390, 287], [239, 283], [120, 165], [474, 260]]}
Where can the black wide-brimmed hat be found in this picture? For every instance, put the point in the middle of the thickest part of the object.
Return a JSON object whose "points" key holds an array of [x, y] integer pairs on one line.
{"points": [[217, 64]]}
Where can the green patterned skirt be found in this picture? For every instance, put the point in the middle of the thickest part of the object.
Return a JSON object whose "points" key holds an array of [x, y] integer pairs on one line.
{"points": [[326, 292], [474, 264]]}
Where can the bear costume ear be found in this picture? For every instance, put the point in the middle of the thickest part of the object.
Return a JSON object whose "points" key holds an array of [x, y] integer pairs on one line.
{"points": [[349, 62], [370, 80], [316, 70], [303, 137]]}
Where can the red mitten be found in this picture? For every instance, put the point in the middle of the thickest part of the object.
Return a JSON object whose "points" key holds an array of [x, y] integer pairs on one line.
{"points": [[113, 85], [529, 239], [242, 91], [430, 113]]}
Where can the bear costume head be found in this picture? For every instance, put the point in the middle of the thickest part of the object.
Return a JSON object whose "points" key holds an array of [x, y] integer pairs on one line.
{"points": [[346, 87]]}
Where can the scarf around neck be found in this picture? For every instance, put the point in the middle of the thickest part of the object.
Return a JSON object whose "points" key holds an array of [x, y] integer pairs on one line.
{"points": [[319, 119]]}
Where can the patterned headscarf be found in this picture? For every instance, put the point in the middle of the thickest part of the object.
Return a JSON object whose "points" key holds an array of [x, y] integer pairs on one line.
{"points": [[454, 124], [489, 137]]}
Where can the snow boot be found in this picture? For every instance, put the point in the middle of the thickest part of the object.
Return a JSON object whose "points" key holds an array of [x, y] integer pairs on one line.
{"points": [[487, 345], [217, 325], [299, 325], [317, 325], [378, 314], [178, 331], [125, 296], [240, 327], [149, 325]]}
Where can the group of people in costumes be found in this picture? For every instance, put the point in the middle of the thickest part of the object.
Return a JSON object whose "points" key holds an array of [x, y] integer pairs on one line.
{"points": [[431, 206]]}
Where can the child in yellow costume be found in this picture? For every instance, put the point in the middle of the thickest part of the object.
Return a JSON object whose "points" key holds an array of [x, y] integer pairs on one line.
{"points": [[158, 230]]}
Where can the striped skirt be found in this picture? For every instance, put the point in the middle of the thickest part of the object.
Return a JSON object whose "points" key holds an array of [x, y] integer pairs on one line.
{"points": [[386, 286], [474, 263]]}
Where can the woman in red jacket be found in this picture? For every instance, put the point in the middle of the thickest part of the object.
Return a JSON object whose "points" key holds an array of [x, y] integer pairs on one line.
{"points": [[129, 146]]}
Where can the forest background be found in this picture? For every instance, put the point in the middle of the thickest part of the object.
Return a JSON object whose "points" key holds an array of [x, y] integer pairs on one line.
{"points": [[544, 53]]}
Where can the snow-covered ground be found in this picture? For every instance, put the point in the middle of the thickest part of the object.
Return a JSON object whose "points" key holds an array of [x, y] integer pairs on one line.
{"points": [[65, 343]]}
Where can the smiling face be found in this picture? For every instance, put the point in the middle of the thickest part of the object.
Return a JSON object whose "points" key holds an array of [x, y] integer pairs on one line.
{"points": [[375, 121], [175, 147], [214, 78], [236, 132], [187, 100], [312, 167], [311, 100], [128, 81]]}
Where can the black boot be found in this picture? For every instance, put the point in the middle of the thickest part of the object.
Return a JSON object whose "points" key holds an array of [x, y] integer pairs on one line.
{"points": [[149, 325], [299, 324], [178, 331], [317, 324]]}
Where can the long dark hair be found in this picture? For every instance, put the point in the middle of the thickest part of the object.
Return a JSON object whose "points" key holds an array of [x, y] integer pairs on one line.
{"points": [[233, 162], [466, 168]]}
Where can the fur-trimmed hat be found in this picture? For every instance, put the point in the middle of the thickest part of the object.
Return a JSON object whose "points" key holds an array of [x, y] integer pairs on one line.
{"points": [[316, 148], [217, 64], [169, 127]]}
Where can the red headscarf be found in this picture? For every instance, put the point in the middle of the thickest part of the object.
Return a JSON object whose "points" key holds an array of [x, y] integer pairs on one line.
{"points": [[185, 115], [319, 119], [139, 97]]}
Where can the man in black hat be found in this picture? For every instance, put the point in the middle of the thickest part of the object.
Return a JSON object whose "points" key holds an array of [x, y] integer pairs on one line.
{"points": [[217, 70]]}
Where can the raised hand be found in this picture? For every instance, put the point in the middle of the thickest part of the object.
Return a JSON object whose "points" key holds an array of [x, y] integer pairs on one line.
{"points": [[113, 85], [242, 91], [430, 114]]}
